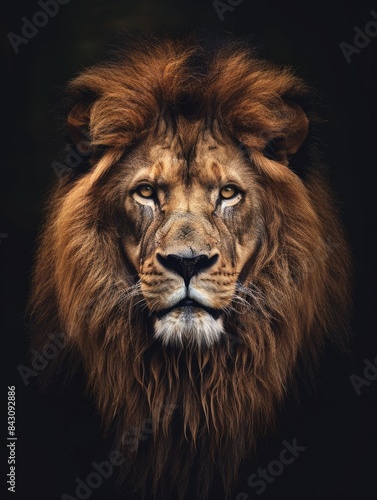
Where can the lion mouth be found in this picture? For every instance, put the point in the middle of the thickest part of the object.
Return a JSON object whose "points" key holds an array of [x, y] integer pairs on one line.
{"points": [[189, 305]]}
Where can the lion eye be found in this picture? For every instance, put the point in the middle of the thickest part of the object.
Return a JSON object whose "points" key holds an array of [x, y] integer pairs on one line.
{"points": [[228, 192], [146, 191]]}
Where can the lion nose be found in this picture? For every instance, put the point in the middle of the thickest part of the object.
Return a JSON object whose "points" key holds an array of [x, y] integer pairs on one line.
{"points": [[187, 267]]}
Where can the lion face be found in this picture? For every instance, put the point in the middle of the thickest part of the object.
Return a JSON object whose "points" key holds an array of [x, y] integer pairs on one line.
{"points": [[194, 227]]}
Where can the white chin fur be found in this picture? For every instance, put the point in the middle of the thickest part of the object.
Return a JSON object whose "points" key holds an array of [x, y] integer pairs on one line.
{"points": [[184, 326]]}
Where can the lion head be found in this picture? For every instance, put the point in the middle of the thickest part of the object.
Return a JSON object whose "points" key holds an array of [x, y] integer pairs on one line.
{"points": [[194, 257]]}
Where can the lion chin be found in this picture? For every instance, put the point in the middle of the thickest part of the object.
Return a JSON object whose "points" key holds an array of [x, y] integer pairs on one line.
{"points": [[189, 325], [192, 258]]}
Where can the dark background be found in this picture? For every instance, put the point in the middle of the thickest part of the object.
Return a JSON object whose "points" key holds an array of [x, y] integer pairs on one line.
{"points": [[58, 437]]}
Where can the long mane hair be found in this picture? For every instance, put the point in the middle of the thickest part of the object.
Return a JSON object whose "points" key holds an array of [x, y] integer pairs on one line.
{"points": [[182, 414]]}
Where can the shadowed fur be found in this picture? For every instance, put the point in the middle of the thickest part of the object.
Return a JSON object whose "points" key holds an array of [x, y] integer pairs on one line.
{"points": [[187, 121]]}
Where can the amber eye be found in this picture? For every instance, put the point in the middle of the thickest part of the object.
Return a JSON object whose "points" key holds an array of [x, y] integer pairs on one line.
{"points": [[146, 191], [229, 191]]}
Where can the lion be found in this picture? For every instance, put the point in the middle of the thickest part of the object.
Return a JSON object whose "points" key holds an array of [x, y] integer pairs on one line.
{"points": [[195, 258]]}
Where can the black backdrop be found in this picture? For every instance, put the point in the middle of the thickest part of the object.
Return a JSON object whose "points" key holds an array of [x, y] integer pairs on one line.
{"points": [[58, 437]]}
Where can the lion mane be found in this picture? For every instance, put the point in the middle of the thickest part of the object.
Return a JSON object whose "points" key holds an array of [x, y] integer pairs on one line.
{"points": [[268, 262]]}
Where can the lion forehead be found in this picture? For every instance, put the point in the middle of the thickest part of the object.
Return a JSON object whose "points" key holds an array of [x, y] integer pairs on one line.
{"points": [[205, 160]]}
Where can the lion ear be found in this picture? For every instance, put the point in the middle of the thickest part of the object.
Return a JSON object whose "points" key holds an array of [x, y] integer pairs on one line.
{"points": [[78, 126], [298, 130], [281, 148]]}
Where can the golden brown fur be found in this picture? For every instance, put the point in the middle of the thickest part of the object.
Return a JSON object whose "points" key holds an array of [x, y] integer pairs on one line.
{"points": [[195, 119]]}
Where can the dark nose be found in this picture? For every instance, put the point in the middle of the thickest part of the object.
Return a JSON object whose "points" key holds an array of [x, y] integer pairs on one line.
{"points": [[187, 267]]}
